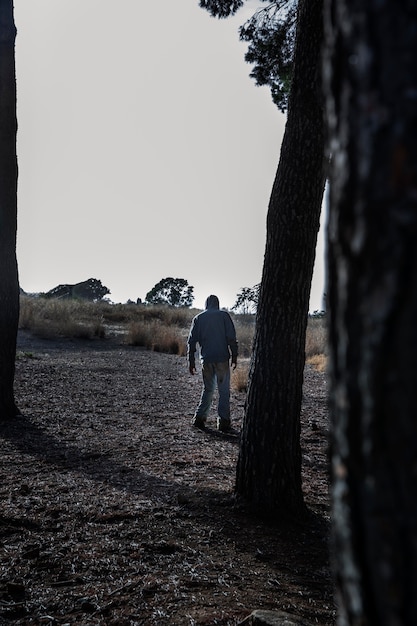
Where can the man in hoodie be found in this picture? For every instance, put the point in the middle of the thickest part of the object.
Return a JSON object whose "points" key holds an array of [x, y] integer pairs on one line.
{"points": [[215, 333]]}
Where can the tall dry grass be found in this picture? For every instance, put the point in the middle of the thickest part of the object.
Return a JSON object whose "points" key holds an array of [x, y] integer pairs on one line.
{"points": [[240, 376], [315, 349], [316, 343], [157, 336], [60, 318], [158, 328], [245, 331]]}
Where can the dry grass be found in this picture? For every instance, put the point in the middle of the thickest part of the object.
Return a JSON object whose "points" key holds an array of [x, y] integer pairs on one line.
{"points": [[316, 348], [158, 328], [245, 329], [316, 338], [240, 375], [157, 336], [316, 343], [318, 361], [62, 318], [83, 319]]}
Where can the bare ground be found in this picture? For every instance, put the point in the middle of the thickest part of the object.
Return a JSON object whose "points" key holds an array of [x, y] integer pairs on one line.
{"points": [[115, 511]]}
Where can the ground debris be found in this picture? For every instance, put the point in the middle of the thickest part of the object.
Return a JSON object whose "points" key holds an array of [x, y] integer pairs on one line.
{"points": [[116, 512]]}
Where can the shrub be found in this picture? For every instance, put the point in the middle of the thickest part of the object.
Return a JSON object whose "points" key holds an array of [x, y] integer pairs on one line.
{"points": [[140, 334], [156, 336]]}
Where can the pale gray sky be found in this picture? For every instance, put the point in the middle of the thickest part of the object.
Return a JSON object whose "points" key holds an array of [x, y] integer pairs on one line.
{"points": [[145, 150]]}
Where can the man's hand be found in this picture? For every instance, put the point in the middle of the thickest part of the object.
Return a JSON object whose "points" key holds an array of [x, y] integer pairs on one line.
{"points": [[192, 368], [234, 362]]}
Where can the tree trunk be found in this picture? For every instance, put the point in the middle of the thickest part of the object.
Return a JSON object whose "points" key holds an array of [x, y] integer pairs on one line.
{"points": [[269, 465], [9, 284], [371, 83]]}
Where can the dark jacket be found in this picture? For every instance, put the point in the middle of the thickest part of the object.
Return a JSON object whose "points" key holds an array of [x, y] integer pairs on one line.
{"points": [[215, 333]]}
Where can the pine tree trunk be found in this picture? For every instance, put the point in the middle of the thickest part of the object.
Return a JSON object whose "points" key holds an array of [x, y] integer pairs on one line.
{"points": [[9, 285], [269, 465], [371, 80]]}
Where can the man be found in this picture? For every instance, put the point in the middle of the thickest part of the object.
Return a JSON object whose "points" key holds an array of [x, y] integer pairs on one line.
{"points": [[215, 333]]}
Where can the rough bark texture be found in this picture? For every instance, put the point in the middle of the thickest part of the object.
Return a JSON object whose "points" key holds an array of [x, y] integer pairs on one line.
{"points": [[371, 78], [269, 465], [9, 287]]}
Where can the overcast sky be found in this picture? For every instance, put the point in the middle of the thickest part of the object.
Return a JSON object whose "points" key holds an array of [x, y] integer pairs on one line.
{"points": [[145, 150]]}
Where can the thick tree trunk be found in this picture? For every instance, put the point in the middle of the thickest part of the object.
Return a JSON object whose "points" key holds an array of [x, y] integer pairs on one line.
{"points": [[269, 465], [371, 79], [9, 284]]}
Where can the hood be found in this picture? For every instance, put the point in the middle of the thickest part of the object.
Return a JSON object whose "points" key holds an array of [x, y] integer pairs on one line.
{"points": [[212, 302]]}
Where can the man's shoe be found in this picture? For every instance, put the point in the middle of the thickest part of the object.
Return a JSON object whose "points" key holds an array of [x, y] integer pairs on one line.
{"points": [[224, 425], [199, 422]]}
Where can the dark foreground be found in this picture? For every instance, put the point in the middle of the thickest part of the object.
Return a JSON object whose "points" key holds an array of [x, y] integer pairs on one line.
{"points": [[114, 511]]}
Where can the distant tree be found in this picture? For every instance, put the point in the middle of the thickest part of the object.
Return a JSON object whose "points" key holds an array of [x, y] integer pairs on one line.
{"points": [[172, 291], [60, 292], [371, 84], [91, 289], [247, 300], [9, 283]]}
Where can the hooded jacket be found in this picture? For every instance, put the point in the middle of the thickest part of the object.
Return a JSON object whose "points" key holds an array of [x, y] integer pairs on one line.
{"points": [[215, 333]]}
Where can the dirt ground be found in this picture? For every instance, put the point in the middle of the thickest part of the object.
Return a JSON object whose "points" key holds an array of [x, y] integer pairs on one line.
{"points": [[115, 511]]}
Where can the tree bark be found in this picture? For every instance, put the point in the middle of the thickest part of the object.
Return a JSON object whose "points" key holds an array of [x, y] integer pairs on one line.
{"points": [[9, 284], [371, 83], [269, 466]]}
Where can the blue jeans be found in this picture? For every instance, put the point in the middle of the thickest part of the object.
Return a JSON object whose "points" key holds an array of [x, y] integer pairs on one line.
{"points": [[212, 373]]}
